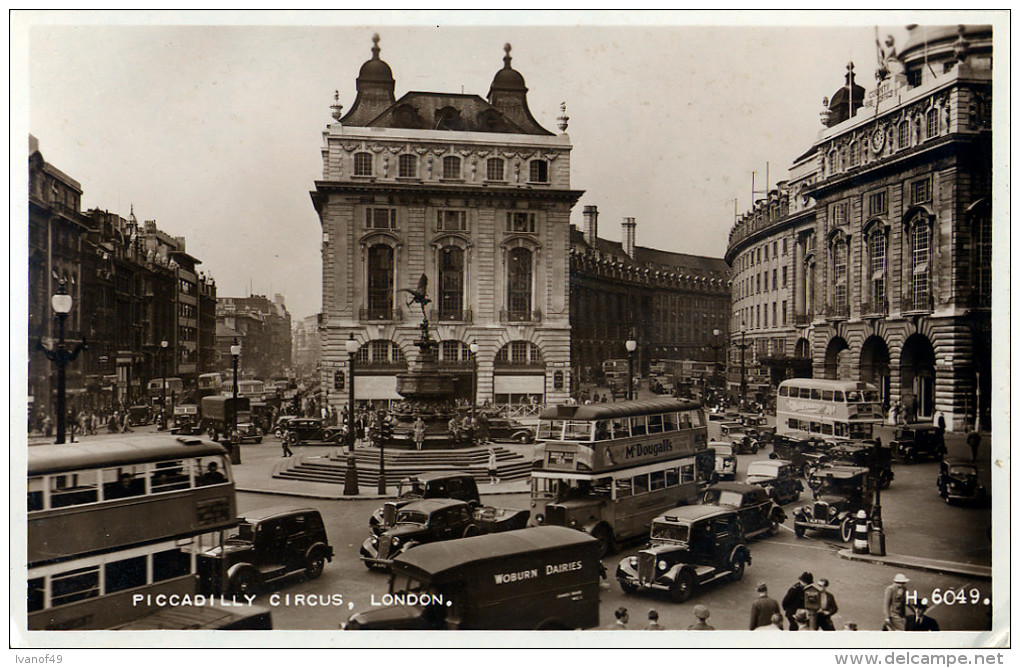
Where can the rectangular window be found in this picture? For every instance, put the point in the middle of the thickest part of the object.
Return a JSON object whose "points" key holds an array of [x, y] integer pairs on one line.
{"points": [[766, 281], [785, 251], [784, 276], [170, 564], [775, 284], [73, 489], [920, 191], [658, 480], [672, 477], [903, 135], [380, 219], [784, 311], [539, 171], [839, 214], [170, 476], [408, 167], [766, 253], [641, 484], [125, 574], [448, 220], [363, 164], [774, 311], [878, 203], [931, 126], [74, 585], [494, 169], [520, 222]]}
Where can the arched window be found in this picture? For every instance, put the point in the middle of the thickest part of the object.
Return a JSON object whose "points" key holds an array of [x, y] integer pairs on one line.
{"points": [[454, 352], [920, 263], [903, 135], [380, 282], [380, 352], [451, 283], [832, 162], [519, 353], [363, 164], [931, 123], [408, 166], [876, 270], [494, 169], [518, 293], [855, 153], [539, 171], [451, 167]]}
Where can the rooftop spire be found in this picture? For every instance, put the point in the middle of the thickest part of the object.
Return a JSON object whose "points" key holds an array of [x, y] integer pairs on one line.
{"points": [[507, 58], [375, 46]]}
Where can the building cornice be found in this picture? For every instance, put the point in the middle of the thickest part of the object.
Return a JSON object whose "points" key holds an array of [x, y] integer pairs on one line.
{"points": [[420, 193]]}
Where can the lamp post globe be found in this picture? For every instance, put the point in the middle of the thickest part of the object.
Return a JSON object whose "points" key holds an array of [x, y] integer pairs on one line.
{"points": [[631, 346], [164, 345], [351, 474], [474, 380], [62, 304]]}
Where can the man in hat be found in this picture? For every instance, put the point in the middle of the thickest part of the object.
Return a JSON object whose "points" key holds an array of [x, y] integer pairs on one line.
{"points": [[763, 608], [794, 599], [827, 606], [800, 621], [653, 621], [920, 621], [702, 613], [896, 603], [621, 619]]}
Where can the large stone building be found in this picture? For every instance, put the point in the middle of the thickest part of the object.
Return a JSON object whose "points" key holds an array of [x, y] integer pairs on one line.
{"points": [[881, 242], [263, 329], [671, 303], [306, 345], [474, 194]]}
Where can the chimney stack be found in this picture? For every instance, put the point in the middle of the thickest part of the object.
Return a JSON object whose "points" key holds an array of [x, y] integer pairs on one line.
{"points": [[591, 224], [629, 225]]}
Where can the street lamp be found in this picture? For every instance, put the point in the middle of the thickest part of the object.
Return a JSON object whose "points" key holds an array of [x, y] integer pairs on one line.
{"points": [[61, 303], [351, 476], [743, 377], [474, 381], [235, 351], [715, 357], [164, 344], [631, 345]]}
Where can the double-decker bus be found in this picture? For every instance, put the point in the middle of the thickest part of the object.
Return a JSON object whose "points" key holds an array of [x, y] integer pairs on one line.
{"points": [[209, 384], [174, 389], [609, 469], [255, 390], [836, 409], [114, 526]]}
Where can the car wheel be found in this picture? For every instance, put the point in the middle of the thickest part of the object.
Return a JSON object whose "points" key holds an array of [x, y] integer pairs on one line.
{"points": [[805, 471], [292, 438], [627, 586], [754, 449], [774, 524], [682, 587], [278, 434], [471, 530], [314, 565], [798, 531], [523, 439], [245, 582], [846, 529], [605, 538], [737, 567], [773, 455], [258, 440]]}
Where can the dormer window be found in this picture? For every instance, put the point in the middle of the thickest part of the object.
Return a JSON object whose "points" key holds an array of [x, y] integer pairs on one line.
{"points": [[451, 167], [539, 171], [363, 164], [408, 166]]}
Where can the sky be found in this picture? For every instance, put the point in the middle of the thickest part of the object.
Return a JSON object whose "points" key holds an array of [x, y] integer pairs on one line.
{"points": [[211, 124]]}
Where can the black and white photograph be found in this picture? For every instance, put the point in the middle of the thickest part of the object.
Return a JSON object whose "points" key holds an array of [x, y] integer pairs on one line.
{"points": [[532, 325]]}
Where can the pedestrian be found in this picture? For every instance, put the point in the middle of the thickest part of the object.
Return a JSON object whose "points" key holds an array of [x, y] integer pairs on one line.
{"points": [[453, 426], [775, 624], [287, 452], [701, 613], [794, 599], [896, 603], [974, 442], [47, 425], [920, 621], [763, 608], [483, 428], [800, 621], [493, 471], [418, 429], [653, 621], [850, 626], [826, 606], [621, 619]]}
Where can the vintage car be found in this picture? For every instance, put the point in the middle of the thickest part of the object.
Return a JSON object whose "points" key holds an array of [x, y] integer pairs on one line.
{"points": [[266, 545], [431, 485], [433, 520], [690, 547], [863, 453], [958, 481], [777, 477], [186, 420], [280, 428], [507, 429], [314, 431], [803, 454], [138, 416], [758, 513], [918, 441], [725, 461], [839, 493], [741, 439]]}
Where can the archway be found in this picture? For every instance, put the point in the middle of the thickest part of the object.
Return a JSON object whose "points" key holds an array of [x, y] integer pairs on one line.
{"points": [[875, 366], [917, 377], [837, 362], [801, 366]]}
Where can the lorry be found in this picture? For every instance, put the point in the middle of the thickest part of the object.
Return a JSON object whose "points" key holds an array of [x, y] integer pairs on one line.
{"points": [[541, 578], [221, 414]]}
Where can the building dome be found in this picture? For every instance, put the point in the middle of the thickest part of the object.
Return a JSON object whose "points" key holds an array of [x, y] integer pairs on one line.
{"points": [[375, 70], [937, 38], [508, 78]]}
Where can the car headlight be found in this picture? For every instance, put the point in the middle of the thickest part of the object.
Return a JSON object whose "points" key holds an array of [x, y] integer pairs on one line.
{"points": [[395, 542], [633, 562], [662, 564], [832, 511], [573, 524], [375, 541], [540, 519]]}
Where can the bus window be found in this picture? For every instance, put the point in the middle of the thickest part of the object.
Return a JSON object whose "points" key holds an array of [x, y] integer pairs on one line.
{"points": [[853, 396], [654, 424], [602, 432], [577, 431], [669, 422], [641, 484], [620, 428], [624, 487], [122, 482], [684, 419], [125, 574], [839, 396], [687, 473], [784, 391], [827, 395], [550, 430], [168, 476], [73, 489], [74, 585], [805, 393], [35, 493], [211, 471], [672, 477], [36, 594], [860, 430], [637, 426], [815, 428], [697, 418], [816, 394], [658, 480], [170, 564], [603, 487], [827, 429], [542, 487]]}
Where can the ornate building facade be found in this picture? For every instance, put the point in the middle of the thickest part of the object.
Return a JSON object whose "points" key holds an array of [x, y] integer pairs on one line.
{"points": [[474, 194], [885, 240]]}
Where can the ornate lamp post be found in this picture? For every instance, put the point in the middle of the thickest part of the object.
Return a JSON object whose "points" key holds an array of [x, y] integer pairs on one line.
{"points": [[743, 375], [164, 345], [351, 477], [62, 304], [631, 345], [235, 352], [474, 380]]}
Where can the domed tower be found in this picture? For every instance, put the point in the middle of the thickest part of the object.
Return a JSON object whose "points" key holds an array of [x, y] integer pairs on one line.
{"points": [[375, 89], [847, 100], [509, 95]]}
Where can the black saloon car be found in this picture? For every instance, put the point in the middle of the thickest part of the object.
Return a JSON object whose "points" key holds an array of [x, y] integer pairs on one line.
{"points": [[758, 513], [840, 492], [312, 430], [803, 454], [918, 441], [958, 481], [777, 477], [507, 429]]}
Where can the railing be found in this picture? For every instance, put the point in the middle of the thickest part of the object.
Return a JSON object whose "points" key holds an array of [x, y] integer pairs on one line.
{"points": [[835, 312], [506, 316], [450, 315], [876, 307], [802, 319], [376, 314], [524, 410], [914, 303]]}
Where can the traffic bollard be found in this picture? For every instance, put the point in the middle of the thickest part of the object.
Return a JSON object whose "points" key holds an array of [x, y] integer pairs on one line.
{"points": [[861, 533]]}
